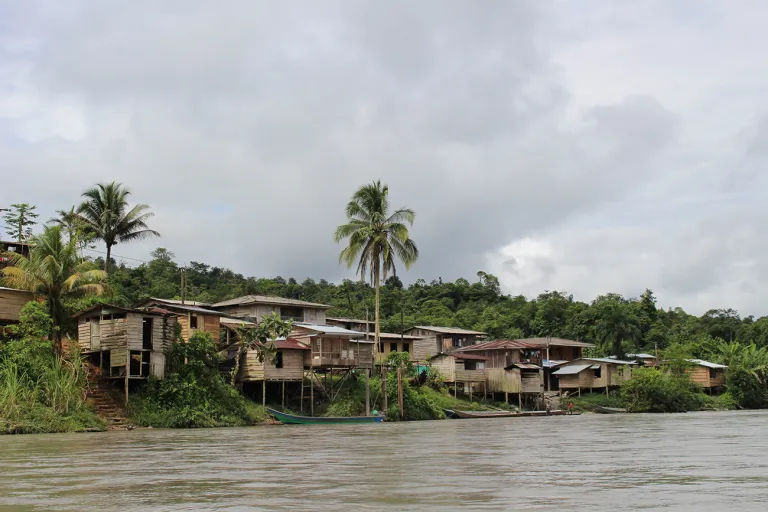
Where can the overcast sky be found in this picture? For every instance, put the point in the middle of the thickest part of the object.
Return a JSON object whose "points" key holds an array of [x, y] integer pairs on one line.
{"points": [[590, 147]]}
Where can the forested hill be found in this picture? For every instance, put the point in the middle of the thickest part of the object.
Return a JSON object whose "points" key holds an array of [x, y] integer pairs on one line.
{"points": [[478, 305]]}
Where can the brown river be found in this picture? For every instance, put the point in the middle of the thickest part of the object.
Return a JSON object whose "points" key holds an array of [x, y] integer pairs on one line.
{"points": [[695, 461]]}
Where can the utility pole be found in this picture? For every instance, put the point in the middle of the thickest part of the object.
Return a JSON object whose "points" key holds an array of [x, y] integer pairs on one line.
{"points": [[183, 285]]}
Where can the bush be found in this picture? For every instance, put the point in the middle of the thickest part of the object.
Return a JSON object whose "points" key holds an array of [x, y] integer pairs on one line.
{"points": [[39, 391], [652, 390], [193, 394]]}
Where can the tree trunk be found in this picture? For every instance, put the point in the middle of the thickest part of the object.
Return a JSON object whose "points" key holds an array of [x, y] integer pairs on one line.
{"points": [[378, 317], [106, 261], [236, 369]]}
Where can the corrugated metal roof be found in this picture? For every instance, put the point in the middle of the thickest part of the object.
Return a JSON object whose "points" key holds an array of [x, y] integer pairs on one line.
{"points": [[556, 342], [701, 362], [189, 309], [235, 321], [176, 301], [267, 299], [448, 330], [636, 356], [95, 307], [328, 329], [606, 360], [551, 363], [571, 370], [289, 344], [499, 345], [525, 366], [349, 320], [393, 336], [461, 355]]}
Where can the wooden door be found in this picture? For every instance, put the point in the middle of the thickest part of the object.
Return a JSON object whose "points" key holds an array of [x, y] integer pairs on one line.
{"points": [[95, 334]]}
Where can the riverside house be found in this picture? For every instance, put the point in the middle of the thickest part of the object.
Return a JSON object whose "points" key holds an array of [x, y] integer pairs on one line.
{"points": [[191, 317], [11, 302], [126, 344], [593, 373], [438, 340], [256, 307], [508, 367], [388, 341], [462, 370], [710, 376]]}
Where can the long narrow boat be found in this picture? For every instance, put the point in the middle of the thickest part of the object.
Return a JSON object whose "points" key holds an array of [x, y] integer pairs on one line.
{"points": [[450, 414], [609, 410], [312, 420], [486, 414]]}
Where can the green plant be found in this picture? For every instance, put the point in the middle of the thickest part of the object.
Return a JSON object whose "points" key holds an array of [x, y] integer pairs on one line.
{"points": [[55, 271], [193, 393], [19, 221], [654, 390], [376, 238], [107, 217]]}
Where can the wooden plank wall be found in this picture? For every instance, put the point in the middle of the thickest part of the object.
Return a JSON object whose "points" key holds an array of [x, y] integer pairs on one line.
{"points": [[446, 365], [11, 302], [424, 347], [84, 334], [254, 370], [499, 380], [699, 375], [114, 334]]}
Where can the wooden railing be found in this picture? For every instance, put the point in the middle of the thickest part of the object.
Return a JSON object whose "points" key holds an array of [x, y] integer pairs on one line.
{"points": [[470, 375]]}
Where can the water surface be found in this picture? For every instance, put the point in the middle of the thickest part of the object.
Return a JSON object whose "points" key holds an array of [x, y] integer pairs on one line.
{"points": [[694, 461]]}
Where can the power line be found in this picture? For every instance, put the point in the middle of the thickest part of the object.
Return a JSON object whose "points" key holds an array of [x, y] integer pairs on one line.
{"points": [[115, 255]]}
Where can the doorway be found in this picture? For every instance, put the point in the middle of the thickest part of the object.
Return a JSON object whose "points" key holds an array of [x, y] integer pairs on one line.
{"points": [[146, 334]]}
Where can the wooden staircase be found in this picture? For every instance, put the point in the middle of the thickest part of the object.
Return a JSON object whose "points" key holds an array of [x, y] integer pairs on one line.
{"points": [[106, 403]]}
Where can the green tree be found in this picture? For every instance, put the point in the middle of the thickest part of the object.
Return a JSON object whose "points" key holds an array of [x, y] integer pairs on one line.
{"points": [[376, 238], [617, 324], [19, 221], [260, 339], [54, 271], [107, 214], [74, 227]]}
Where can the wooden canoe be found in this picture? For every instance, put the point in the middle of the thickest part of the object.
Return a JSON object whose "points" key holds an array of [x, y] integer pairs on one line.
{"points": [[609, 410], [291, 419], [450, 414]]}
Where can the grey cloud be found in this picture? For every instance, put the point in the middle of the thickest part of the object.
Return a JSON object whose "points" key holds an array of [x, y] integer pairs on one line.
{"points": [[247, 126]]}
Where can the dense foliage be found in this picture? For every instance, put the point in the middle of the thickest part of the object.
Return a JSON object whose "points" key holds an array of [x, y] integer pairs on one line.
{"points": [[193, 393], [651, 390], [40, 392]]}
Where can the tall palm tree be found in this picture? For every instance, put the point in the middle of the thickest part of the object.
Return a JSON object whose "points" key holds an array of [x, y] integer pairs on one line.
{"points": [[617, 323], [54, 271], [376, 238], [105, 211]]}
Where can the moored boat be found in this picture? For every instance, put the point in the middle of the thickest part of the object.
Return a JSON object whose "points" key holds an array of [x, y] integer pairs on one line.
{"points": [[609, 410], [292, 419], [450, 414]]}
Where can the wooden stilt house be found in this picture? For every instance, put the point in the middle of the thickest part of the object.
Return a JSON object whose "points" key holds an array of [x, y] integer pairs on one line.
{"points": [[593, 373], [191, 318], [461, 370], [11, 302], [508, 368], [126, 344]]}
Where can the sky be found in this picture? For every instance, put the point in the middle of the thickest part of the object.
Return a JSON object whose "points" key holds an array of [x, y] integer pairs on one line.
{"points": [[589, 147]]}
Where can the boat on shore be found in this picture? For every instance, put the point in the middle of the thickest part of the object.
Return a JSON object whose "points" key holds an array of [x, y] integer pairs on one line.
{"points": [[609, 410], [292, 419], [450, 414]]}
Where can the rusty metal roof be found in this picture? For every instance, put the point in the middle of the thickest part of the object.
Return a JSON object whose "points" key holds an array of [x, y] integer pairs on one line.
{"points": [[500, 345], [449, 330], [290, 344], [267, 299], [555, 342], [461, 355]]}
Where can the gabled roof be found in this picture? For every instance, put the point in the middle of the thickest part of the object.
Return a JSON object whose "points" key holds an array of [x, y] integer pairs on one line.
{"points": [[186, 308], [597, 360], [235, 322], [555, 342], [96, 307], [394, 336], [449, 330], [636, 356], [268, 299], [155, 300], [524, 366], [461, 355], [289, 344], [701, 362], [499, 345], [328, 329], [571, 370], [344, 320]]}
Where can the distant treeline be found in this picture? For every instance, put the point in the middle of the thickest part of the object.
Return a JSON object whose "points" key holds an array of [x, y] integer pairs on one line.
{"points": [[608, 321]]}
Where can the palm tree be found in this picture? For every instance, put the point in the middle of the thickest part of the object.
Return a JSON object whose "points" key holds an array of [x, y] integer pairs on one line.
{"points": [[617, 323], [54, 270], [376, 238], [105, 213]]}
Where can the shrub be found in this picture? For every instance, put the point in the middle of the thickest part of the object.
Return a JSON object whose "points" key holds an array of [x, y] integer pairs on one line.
{"points": [[193, 393], [652, 390]]}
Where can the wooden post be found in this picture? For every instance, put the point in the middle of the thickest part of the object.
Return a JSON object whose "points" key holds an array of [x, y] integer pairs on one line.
{"points": [[127, 372], [455, 389], [283, 394], [302, 392], [470, 391], [311, 394], [506, 397], [400, 392], [264, 392], [384, 386], [367, 393], [520, 400]]}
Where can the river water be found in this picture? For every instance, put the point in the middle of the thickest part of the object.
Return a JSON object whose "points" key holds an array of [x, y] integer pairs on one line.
{"points": [[695, 461]]}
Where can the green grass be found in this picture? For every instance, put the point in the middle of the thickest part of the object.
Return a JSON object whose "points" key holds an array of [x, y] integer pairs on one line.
{"points": [[590, 401]]}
